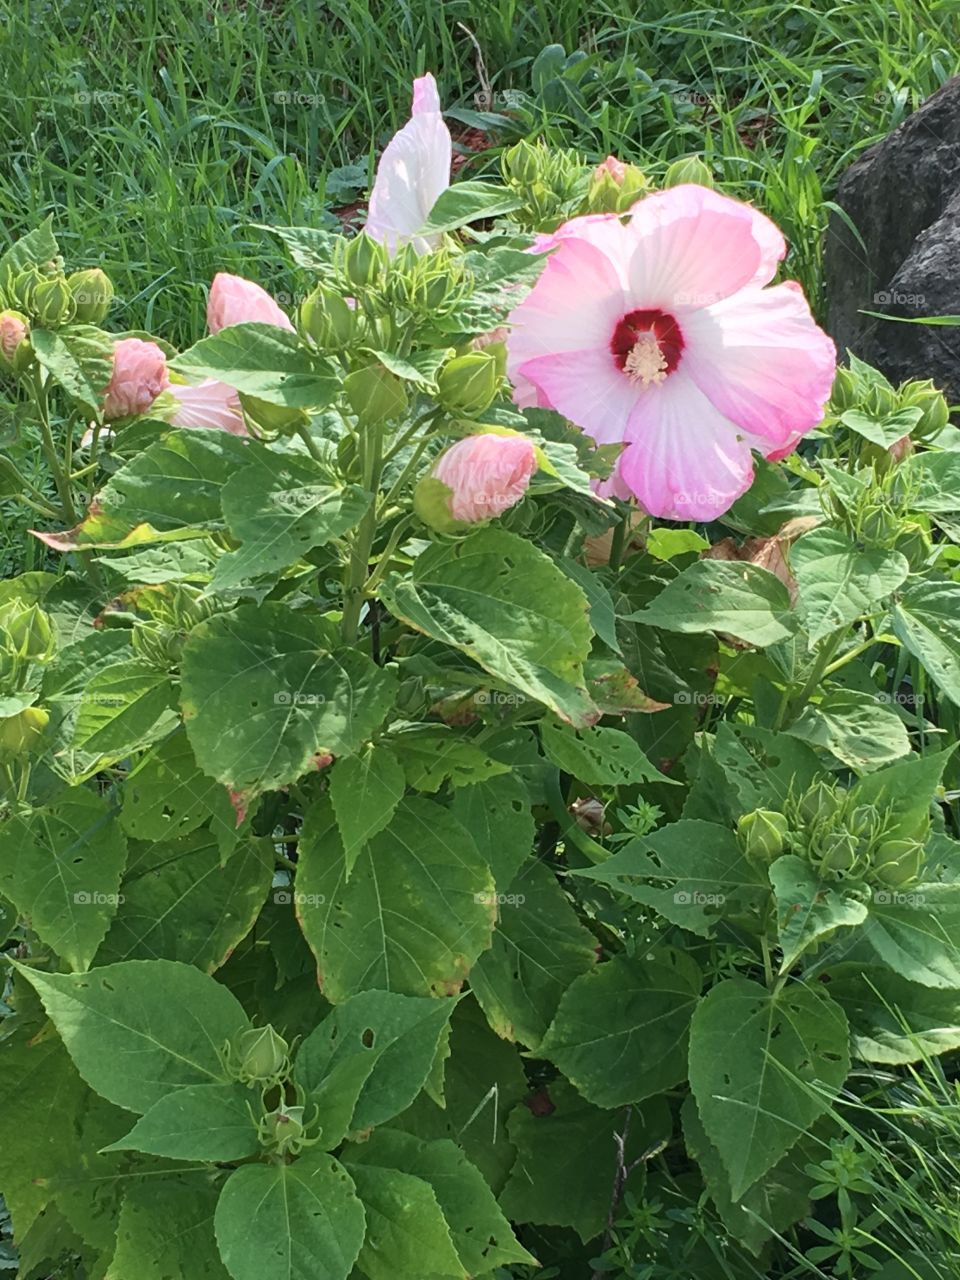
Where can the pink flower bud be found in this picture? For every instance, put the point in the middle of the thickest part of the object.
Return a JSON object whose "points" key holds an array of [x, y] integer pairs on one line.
{"points": [[234, 300], [486, 474], [139, 375], [13, 330], [616, 169]]}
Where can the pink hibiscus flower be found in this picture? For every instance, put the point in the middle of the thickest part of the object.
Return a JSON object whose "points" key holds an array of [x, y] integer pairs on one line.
{"points": [[210, 404], [485, 474], [413, 173], [660, 332], [234, 300]]}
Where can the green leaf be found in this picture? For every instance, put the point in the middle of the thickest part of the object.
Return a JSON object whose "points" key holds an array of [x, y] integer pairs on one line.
{"points": [[60, 866], [539, 948], [603, 615], [738, 599], [483, 1079], [125, 706], [885, 430], [770, 1206], [925, 622], [264, 697], [762, 768], [917, 932], [598, 756], [365, 790], [407, 1234], [692, 872], [838, 581], [467, 202], [78, 357], [263, 361], [432, 754], [167, 796], [279, 508], [481, 1236], [180, 903], [620, 1033], [763, 1067], [809, 908], [497, 815], [309, 247], [860, 731], [148, 1248], [418, 909], [369, 1058], [34, 249], [567, 1159], [202, 1122], [171, 490], [667, 544], [141, 1029], [894, 1021], [294, 1221], [505, 604], [903, 792]]}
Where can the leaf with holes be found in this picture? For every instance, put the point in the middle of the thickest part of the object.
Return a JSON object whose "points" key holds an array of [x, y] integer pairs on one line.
{"points": [[808, 908], [925, 622], [280, 507], [60, 866], [265, 698], [418, 909], [180, 903], [167, 796], [433, 754], [539, 948], [598, 756], [860, 731], [620, 1033], [369, 1058], [290, 1221], [692, 872], [505, 604], [738, 599], [137, 1031], [365, 790], [838, 581], [497, 815], [146, 1246], [763, 1067]]}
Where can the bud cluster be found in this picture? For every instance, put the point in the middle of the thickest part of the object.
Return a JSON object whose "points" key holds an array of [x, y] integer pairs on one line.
{"points": [[841, 839], [27, 640], [48, 298], [548, 180]]}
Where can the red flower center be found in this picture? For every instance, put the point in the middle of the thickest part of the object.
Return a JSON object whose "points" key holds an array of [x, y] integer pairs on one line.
{"points": [[647, 345]]}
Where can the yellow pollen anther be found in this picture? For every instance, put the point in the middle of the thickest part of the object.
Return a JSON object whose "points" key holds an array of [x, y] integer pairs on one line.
{"points": [[645, 361]]}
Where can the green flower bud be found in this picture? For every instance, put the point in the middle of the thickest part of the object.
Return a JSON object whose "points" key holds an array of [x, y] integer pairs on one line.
{"points": [[328, 319], [762, 834], [22, 733], [897, 862], [689, 169], [846, 391], [820, 803], [615, 186], [469, 384], [52, 303], [839, 854], [364, 262], [936, 415], [375, 395], [261, 1055], [522, 163], [92, 293], [864, 821], [282, 1130], [22, 287], [26, 632]]}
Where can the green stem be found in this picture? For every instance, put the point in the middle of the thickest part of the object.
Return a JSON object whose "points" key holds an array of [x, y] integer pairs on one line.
{"points": [[397, 534], [404, 475], [310, 444], [358, 567], [61, 478], [794, 705], [619, 541]]}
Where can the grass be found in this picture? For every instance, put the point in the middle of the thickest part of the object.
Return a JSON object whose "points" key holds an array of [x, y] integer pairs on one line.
{"points": [[156, 133]]}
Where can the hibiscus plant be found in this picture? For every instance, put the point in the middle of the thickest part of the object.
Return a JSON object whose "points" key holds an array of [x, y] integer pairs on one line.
{"points": [[415, 840]]}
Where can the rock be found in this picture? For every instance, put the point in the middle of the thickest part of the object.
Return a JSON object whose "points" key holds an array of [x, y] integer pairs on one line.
{"points": [[903, 195]]}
